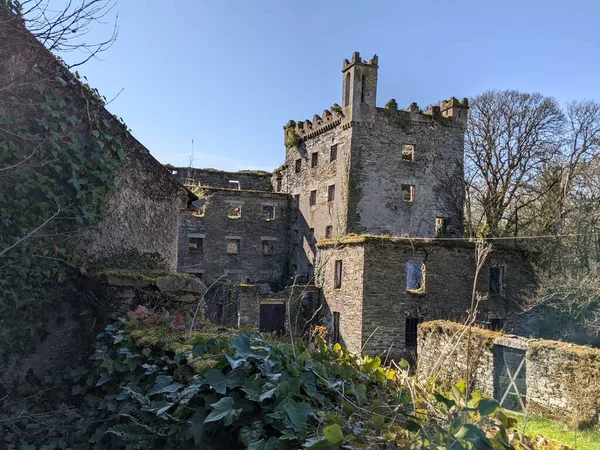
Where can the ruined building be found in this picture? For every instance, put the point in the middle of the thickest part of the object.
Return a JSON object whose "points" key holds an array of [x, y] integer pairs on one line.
{"points": [[354, 176]]}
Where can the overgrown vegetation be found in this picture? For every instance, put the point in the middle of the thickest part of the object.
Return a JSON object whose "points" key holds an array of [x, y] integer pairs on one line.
{"points": [[151, 387]]}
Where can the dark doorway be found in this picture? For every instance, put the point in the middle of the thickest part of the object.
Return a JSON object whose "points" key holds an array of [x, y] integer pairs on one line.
{"points": [[272, 317], [510, 385]]}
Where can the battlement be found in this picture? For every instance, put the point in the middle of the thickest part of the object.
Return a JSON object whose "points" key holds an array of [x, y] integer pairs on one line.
{"points": [[356, 59], [455, 103], [308, 129], [448, 109]]}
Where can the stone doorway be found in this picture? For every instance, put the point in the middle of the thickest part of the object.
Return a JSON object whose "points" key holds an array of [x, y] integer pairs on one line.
{"points": [[272, 317], [510, 386]]}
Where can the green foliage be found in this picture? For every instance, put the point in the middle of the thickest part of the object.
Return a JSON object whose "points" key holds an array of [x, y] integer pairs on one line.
{"points": [[59, 150], [255, 394], [291, 138], [391, 105]]}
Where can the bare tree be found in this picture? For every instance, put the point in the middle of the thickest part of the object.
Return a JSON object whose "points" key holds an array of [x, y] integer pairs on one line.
{"points": [[510, 136], [62, 25]]}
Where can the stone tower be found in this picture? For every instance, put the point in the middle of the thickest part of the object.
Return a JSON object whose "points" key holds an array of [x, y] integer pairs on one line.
{"points": [[359, 88], [359, 168]]}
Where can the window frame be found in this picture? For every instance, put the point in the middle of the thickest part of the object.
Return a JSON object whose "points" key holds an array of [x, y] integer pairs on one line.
{"points": [[331, 193], [501, 274], [268, 244], [408, 150], [333, 152], [328, 231], [337, 274], [268, 216], [441, 231], [312, 199], [411, 332], [314, 159], [421, 288], [238, 243], [410, 188], [199, 248], [298, 165]]}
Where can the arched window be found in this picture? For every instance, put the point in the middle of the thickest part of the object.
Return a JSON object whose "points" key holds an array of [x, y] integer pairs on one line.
{"points": [[362, 89], [347, 93]]}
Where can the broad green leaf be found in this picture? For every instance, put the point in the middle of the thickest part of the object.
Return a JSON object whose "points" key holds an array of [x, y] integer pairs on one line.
{"points": [[487, 406], [445, 400], [241, 345], [196, 426], [223, 409], [216, 380], [297, 413], [475, 436]]}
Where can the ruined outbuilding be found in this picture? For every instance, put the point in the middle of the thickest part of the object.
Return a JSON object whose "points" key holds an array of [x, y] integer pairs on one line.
{"points": [[353, 176]]}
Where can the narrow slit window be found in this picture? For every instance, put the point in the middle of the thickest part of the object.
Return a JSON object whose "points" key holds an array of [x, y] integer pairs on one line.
{"points": [[408, 193], [337, 281], [335, 325], [331, 193], [333, 153], [278, 184], [234, 184], [328, 232], [347, 93], [415, 276], [410, 331], [362, 88], [496, 279], [314, 159], [313, 198], [233, 246], [234, 211], [408, 152], [297, 200], [298, 165]]}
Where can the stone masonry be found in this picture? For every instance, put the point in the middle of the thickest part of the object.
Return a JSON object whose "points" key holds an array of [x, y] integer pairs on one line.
{"points": [[353, 176]]}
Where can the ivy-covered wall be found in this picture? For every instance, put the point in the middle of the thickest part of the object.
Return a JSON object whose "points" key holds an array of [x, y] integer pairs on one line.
{"points": [[76, 191]]}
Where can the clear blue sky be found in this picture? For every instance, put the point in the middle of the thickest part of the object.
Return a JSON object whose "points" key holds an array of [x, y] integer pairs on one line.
{"points": [[230, 73]]}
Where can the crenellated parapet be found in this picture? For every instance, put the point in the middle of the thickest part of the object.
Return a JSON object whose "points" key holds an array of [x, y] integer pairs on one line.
{"points": [[356, 59], [307, 129]]}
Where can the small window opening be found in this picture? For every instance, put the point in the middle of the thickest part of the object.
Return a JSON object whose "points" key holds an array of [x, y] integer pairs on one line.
{"points": [[362, 88], [269, 212], [297, 200], [199, 212], [298, 165], [333, 153], [314, 159], [278, 184], [268, 247], [234, 184], [313, 198], [408, 192], [410, 331], [496, 279], [234, 211], [408, 152], [311, 233], [195, 245], [337, 281], [331, 193], [335, 327], [347, 93], [441, 226], [328, 232], [415, 276], [233, 246]]}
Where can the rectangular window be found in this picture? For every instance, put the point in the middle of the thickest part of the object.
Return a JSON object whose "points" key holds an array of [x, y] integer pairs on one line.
{"points": [[333, 153], [328, 232], [278, 184], [496, 279], [314, 159], [233, 246], [408, 192], [298, 165], [408, 152], [268, 247], [313, 198], [410, 331], [195, 245], [311, 233], [335, 327], [331, 193], [415, 276], [234, 184], [441, 226], [268, 212], [234, 211], [337, 281]]}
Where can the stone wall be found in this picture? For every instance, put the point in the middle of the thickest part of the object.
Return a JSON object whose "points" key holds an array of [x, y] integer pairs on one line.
{"points": [[255, 180], [561, 378], [348, 300], [323, 213], [378, 171], [215, 227], [143, 212], [378, 268]]}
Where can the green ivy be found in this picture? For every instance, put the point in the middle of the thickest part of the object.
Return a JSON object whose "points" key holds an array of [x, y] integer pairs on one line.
{"points": [[59, 151]]}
